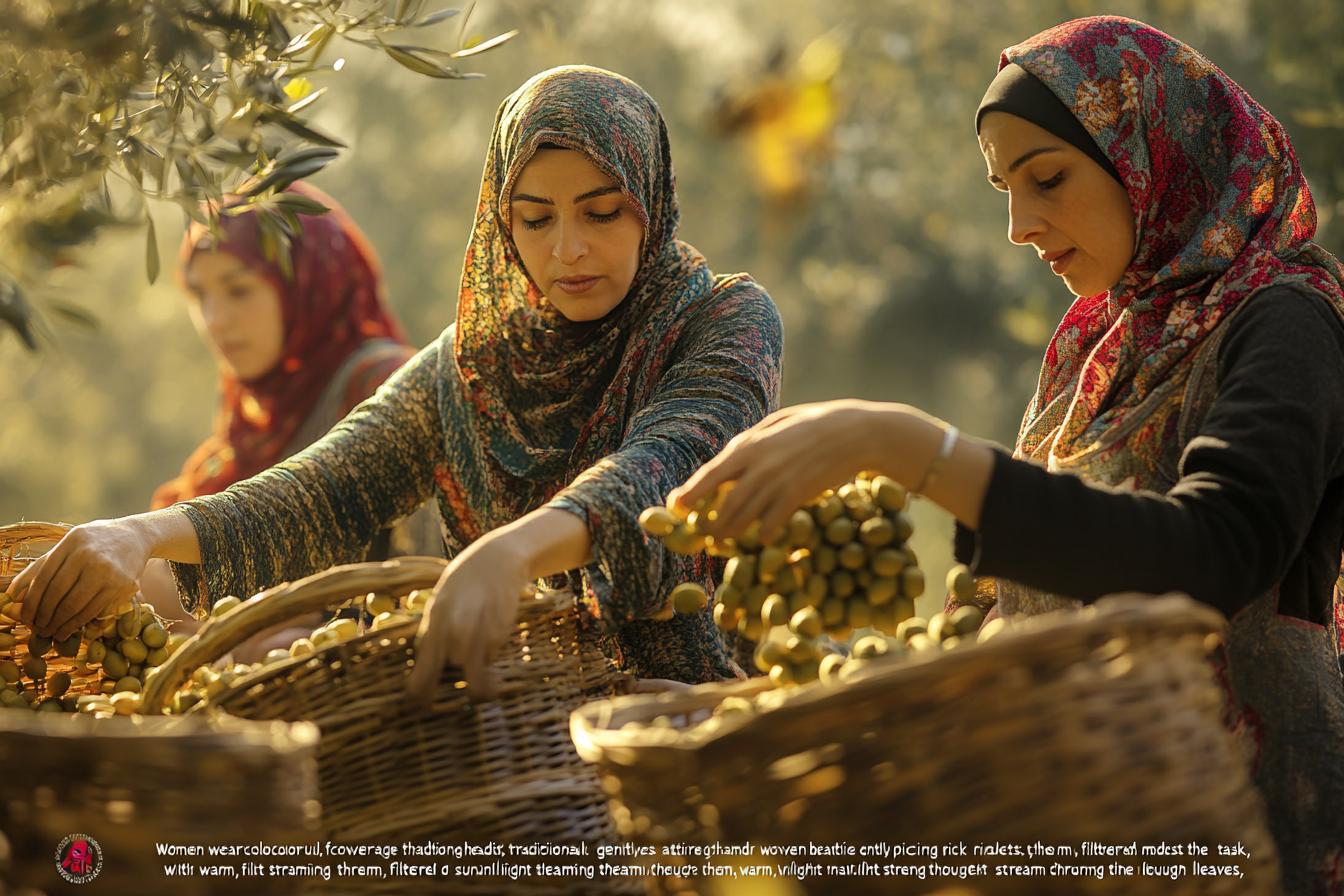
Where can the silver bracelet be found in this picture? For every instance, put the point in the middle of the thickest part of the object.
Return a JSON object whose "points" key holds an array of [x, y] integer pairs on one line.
{"points": [[950, 434]]}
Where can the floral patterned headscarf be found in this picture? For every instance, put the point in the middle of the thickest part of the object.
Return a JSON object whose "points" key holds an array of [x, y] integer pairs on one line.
{"points": [[1221, 209], [545, 398]]}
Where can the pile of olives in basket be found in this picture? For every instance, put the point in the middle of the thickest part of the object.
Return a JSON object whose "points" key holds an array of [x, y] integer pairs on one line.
{"points": [[99, 669]]}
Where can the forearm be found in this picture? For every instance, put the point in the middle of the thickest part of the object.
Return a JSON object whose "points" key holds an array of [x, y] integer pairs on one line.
{"points": [[902, 442], [548, 541], [167, 535]]}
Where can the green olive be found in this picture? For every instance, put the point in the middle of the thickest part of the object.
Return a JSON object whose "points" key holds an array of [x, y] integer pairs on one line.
{"points": [[115, 665], [58, 684], [884, 618], [877, 532], [154, 635], [184, 700], [750, 539], [754, 599], [912, 581], [801, 525], [807, 622], [728, 596], [857, 613], [688, 598], [960, 583], [862, 579], [882, 591], [817, 588], [35, 668], [741, 572], [301, 647], [806, 671], [966, 620], [991, 628], [768, 655], [887, 562], [904, 608], [658, 521], [9, 671], [801, 561], [915, 625], [8, 641], [829, 669], [840, 530], [786, 580], [724, 618], [798, 600], [769, 563], [833, 612], [888, 493], [751, 627], [129, 683], [684, 540], [38, 645], [224, 607], [800, 649], [69, 648], [940, 627], [824, 560], [841, 583], [133, 649], [157, 657], [920, 643], [904, 527], [50, 705], [128, 626], [781, 676], [775, 610], [853, 556], [828, 510], [869, 648], [861, 510]]}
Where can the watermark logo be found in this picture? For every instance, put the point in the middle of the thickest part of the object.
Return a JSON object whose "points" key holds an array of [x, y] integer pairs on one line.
{"points": [[79, 858]]}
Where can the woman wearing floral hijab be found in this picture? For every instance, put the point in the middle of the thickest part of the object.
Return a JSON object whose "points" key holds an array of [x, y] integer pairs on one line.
{"points": [[1195, 392], [595, 363]]}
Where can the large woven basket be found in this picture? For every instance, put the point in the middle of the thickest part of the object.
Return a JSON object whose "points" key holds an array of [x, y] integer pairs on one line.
{"points": [[129, 783], [502, 771], [1100, 725]]}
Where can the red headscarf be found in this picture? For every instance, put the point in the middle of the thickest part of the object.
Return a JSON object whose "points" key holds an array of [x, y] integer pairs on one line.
{"points": [[333, 304]]}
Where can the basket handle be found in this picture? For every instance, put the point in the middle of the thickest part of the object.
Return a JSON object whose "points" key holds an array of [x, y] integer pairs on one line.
{"points": [[317, 592]]}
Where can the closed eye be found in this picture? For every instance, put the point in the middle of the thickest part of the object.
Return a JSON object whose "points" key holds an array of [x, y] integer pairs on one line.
{"points": [[603, 219], [1051, 183], [536, 223]]}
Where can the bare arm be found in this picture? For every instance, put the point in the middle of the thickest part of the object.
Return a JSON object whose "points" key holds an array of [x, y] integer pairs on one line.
{"points": [[795, 454], [96, 566]]}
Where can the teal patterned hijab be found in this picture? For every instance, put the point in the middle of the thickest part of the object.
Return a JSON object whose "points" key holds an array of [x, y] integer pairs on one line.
{"points": [[545, 398]]}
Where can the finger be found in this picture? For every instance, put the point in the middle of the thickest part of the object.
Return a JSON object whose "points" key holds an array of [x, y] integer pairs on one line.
{"points": [[746, 503], [424, 677], [75, 605], [709, 478], [106, 597], [70, 579], [23, 580], [480, 686], [45, 568]]}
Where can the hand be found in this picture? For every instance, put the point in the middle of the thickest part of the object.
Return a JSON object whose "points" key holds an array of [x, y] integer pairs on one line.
{"points": [[785, 461], [471, 614], [92, 569]]}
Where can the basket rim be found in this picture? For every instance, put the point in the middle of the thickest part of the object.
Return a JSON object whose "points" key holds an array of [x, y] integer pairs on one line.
{"points": [[1039, 636]]}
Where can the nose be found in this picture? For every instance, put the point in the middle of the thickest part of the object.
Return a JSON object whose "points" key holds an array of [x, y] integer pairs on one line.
{"points": [[1025, 222], [571, 245], [215, 315]]}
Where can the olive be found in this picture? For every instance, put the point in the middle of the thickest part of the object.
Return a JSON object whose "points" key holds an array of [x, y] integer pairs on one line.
{"points": [[277, 655], [887, 562], [781, 675], [799, 648], [800, 528], [658, 521], [869, 648], [126, 702], [888, 493], [853, 556], [991, 628], [833, 612], [689, 597], [378, 604], [840, 530], [741, 572], [8, 641], [801, 561], [775, 611], [750, 539], [807, 622], [960, 583], [829, 669], [58, 684], [884, 618], [828, 510], [967, 619], [911, 627], [768, 655], [798, 600], [940, 627], [224, 607], [684, 540], [35, 668], [129, 683], [806, 671], [728, 596], [770, 562], [38, 645], [857, 613], [817, 588], [115, 665], [157, 657], [841, 583], [128, 625], [862, 579], [751, 627], [301, 647], [133, 649], [754, 599], [9, 671], [725, 618], [184, 700], [824, 560], [877, 532], [50, 705], [70, 646], [920, 642], [912, 581], [786, 580], [882, 591]]}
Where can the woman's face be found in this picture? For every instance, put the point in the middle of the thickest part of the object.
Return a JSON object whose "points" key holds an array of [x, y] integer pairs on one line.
{"points": [[237, 311], [578, 236], [1060, 201]]}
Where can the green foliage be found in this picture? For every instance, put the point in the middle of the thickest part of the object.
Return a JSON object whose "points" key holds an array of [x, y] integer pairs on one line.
{"points": [[181, 100]]}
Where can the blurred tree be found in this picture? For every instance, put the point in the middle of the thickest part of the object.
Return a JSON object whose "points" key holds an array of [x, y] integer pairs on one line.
{"points": [[181, 100]]}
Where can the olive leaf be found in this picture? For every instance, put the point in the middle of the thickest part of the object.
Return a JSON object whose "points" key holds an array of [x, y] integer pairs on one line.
{"points": [[151, 250]]}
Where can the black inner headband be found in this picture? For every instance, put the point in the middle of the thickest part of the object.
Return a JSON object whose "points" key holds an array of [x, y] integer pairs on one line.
{"points": [[1018, 92]]}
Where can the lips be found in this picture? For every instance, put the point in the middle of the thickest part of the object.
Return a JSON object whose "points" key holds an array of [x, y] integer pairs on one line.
{"points": [[576, 285], [1059, 261]]}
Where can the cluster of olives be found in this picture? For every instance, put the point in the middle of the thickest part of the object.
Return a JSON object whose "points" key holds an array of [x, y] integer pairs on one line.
{"points": [[841, 563], [113, 657], [386, 610]]}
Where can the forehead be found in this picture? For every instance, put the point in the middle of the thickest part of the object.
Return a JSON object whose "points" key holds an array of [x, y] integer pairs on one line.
{"points": [[214, 263], [1004, 138], [560, 168]]}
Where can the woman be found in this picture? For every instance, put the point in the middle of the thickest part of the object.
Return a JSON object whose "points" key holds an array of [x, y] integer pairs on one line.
{"points": [[594, 364], [296, 349], [1193, 391]]}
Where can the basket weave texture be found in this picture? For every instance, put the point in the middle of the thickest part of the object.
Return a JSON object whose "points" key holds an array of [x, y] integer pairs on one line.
{"points": [[1100, 725], [502, 771]]}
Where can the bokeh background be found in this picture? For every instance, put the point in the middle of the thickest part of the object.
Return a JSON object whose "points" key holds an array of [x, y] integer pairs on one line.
{"points": [[827, 148]]}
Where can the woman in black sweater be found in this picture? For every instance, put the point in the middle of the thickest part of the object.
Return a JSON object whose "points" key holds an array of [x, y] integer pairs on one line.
{"points": [[1195, 392]]}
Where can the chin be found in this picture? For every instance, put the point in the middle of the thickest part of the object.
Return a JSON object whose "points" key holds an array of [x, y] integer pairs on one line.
{"points": [[584, 310]]}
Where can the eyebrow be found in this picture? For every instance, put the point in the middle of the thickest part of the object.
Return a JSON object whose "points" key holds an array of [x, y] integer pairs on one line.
{"points": [[591, 194], [1023, 159]]}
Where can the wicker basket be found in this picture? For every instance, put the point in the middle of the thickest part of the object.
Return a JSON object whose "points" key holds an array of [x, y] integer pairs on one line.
{"points": [[1100, 725], [502, 771], [132, 782]]}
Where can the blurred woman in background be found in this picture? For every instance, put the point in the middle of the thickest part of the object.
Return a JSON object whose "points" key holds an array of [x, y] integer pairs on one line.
{"points": [[296, 352], [1194, 392], [595, 362]]}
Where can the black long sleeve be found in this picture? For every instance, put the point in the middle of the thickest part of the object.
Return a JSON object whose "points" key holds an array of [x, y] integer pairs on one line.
{"points": [[1260, 500]]}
